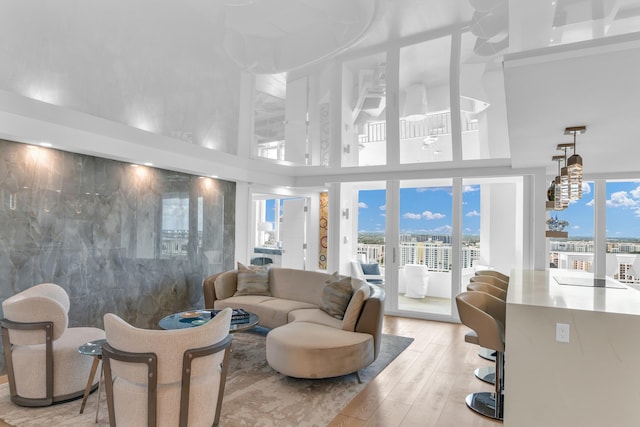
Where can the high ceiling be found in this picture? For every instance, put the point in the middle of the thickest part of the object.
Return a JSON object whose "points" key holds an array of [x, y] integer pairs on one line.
{"points": [[168, 67]]}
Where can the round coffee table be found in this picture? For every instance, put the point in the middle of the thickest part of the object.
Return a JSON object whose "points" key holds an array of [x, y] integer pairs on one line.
{"points": [[194, 318]]}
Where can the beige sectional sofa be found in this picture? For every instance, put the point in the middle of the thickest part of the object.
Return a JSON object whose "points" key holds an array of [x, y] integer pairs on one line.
{"points": [[305, 341]]}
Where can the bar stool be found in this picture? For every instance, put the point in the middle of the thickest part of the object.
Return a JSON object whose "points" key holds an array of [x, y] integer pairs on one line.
{"points": [[485, 315], [488, 288], [492, 280], [499, 283], [487, 373], [493, 273]]}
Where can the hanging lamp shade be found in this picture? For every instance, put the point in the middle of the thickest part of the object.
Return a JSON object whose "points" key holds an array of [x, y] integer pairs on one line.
{"points": [[561, 193], [574, 164], [574, 170]]}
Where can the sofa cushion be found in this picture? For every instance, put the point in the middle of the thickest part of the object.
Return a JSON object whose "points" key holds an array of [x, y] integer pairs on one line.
{"points": [[273, 312], [314, 315], [298, 285], [252, 281], [336, 295], [308, 350], [355, 305]]}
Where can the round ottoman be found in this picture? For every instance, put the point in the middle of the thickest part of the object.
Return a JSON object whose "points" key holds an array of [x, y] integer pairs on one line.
{"points": [[310, 350]]}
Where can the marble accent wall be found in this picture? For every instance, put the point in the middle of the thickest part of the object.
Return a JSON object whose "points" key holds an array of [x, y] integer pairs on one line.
{"points": [[132, 240]]}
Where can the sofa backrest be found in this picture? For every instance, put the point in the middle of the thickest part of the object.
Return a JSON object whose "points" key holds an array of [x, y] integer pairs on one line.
{"points": [[297, 285]]}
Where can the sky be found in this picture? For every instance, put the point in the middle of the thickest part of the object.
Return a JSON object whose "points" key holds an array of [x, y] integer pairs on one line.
{"points": [[622, 212], [424, 210], [428, 211]]}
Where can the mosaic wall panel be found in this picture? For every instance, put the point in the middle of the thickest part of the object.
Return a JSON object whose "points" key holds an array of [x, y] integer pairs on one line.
{"points": [[135, 241]]}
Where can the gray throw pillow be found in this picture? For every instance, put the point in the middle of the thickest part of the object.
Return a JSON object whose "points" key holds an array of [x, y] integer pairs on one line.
{"points": [[252, 280], [336, 295], [373, 268]]}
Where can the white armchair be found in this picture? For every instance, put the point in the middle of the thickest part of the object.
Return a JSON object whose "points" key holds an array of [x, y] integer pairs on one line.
{"points": [[166, 377], [41, 351]]}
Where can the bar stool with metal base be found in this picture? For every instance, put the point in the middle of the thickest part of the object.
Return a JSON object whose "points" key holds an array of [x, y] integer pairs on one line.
{"points": [[487, 373], [485, 315], [499, 283], [493, 273]]}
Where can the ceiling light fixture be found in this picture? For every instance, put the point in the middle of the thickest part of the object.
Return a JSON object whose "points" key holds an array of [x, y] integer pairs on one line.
{"points": [[574, 164], [560, 200]]}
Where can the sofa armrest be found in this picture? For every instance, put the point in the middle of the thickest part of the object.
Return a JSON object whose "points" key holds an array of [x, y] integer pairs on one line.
{"points": [[208, 290], [226, 284], [371, 316]]}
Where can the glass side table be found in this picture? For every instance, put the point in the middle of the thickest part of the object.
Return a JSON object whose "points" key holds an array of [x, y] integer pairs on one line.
{"points": [[92, 348]]}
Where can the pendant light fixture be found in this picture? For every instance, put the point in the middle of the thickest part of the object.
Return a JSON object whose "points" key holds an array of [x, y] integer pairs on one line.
{"points": [[564, 178], [574, 164], [561, 197]]}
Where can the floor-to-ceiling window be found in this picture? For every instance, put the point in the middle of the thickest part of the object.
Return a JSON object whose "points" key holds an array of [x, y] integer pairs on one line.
{"points": [[623, 231], [575, 251]]}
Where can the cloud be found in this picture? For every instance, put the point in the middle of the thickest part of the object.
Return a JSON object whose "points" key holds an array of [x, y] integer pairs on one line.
{"points": [[637, 213], [586, 188], [445, 229], [470, 188], [621, 199], [590, 202], [383, 207], [410, 215], [576, 227], [473, 213], [423, 189], [635, 193], [362, 205], [428, 215]]}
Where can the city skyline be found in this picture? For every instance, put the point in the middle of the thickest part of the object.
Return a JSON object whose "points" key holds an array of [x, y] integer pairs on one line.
{"points": [[427, 210]]}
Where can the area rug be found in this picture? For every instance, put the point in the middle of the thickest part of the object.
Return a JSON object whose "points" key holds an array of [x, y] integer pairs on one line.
{"points": [[255, 394]]}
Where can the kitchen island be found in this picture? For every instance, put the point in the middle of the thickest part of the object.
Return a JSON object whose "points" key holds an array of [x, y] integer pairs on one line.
{"points": [[591, 380]]}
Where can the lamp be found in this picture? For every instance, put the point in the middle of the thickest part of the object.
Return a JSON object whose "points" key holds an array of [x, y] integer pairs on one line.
{"points": [[574, 164], [264, 228], [564, 175], [561, 201], [415, 103]]}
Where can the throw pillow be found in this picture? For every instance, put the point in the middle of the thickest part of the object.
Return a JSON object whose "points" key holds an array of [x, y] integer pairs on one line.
{"points": [[352, 314], [252, 280], [336, 295], [371, 268]]}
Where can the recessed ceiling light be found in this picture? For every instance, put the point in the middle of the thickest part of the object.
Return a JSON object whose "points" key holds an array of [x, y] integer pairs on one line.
{"points": [[148, 164]]}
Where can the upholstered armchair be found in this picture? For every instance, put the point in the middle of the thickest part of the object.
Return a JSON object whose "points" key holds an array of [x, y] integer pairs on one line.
{"points": [[166, 377], [40, 350]]}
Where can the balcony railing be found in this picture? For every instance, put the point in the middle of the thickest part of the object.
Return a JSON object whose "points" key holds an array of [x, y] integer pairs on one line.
{"points": [[436, 256]]}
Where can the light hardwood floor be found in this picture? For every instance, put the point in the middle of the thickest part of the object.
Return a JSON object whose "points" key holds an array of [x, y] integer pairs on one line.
{"points": [[425, 386]]}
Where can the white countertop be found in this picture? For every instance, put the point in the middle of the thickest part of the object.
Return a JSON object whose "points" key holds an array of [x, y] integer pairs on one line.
{"points": [[541, 288]]}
